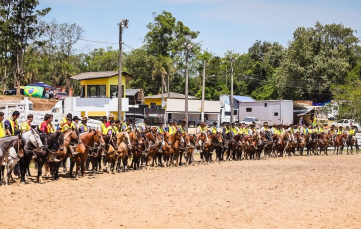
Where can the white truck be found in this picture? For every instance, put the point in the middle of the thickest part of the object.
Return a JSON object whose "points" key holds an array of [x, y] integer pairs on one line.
{"points": [[226, 116], [271, 111]]}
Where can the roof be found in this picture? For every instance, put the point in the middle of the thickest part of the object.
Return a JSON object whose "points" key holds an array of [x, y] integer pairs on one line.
{"points": [[131, 92], [172, 95], [98, 75], [243, 98]]}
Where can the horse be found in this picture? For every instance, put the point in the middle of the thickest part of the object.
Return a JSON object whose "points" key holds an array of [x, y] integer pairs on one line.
{"points": [[11, 150], [268, 143], [301, 142], [95, 157], [322, 143], [213, 140], [86, 142], [137, 148], [311, 144], [122, 152], [166, 150], [221, 149], [35, 143], [176, 140], [154, 143], [350, 142], [340, 141], [190, 147]]}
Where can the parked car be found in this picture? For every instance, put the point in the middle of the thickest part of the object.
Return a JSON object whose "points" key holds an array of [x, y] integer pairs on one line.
{"points": [[61, 95], [13, 91], [330, 116], [250, 120], [346, 123]]}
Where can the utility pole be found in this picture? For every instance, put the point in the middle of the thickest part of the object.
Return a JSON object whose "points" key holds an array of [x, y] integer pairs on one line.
{"points": [[203, 88], [168, 87], [123, 23], [232, 89], [189, 46]]}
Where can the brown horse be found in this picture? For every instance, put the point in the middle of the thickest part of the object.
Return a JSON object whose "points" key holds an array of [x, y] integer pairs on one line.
{"points": [[176, 140], [166, 149], [123, 152], [352, 141], [322, 143], [87, 141], [213, 141], [190, 141], [154, 143], [137, 148], [301, 142], [340, 141]]}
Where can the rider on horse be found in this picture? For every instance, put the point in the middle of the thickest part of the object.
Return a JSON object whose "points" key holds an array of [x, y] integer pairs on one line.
{"points": [[82, 127], [26, 126], [2, 130], [214, 128], [264, 128]]}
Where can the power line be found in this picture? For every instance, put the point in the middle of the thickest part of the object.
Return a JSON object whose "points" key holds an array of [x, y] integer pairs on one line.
{"points": [[104, 42]]}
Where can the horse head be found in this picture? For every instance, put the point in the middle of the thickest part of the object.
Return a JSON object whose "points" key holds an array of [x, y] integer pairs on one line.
{"points": [[98, 138]]}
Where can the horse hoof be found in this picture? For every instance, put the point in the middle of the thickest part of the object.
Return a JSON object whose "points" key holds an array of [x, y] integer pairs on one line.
{"points": [[23, 182]]}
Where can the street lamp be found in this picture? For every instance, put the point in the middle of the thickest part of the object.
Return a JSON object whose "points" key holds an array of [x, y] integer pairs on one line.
{"points": [[122, 24]]}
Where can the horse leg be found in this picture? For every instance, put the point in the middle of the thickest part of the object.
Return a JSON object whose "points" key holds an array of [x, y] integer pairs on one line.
{"points": [[82, 165], [40, 170], [22, 170]]}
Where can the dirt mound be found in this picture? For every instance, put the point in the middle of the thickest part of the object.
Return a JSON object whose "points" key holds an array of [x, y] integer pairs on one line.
{"points": [[39, 104], [296, 192]]}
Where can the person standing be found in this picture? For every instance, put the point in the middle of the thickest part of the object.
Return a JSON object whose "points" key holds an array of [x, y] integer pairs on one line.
{"points": [[301, 122], [26, 126], [11, 124], [51, 94], [2, 129]]}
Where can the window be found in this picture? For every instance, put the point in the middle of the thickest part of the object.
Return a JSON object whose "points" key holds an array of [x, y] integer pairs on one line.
{"points": [[235, 112], [346, 121], [265, 104], [96, 90], [227, 113], [257, 119], [275, 114], [82, 92], [248, 109], [114, 90]]}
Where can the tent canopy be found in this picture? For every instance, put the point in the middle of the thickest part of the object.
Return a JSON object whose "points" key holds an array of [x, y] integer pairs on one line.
{"points": [[41, 84]]}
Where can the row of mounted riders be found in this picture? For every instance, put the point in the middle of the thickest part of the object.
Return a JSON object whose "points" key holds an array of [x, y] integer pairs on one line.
{"points": [[149, 147]]}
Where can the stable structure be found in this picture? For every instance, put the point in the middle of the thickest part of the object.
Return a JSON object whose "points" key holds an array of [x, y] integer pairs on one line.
{"points": [[156, 100], [175, 110], [101, 84], [271, 111]]}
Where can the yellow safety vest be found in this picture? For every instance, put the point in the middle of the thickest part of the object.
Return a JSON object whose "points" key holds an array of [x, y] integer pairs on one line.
{"points": [[85, 127], [277, 132], [64, 121], [104, 129], [204, 129], [339, 132], [314, 121], [228, 130], [14, 125], [292, 130], [321, 130], [140, 125], [352, 132], [49, 127], [160, 129], [24, 127], [234, 130], [2, 130], [182, 129], [310, 131], [214, 129], [126, 126], [116, 130], [65, 127], [172, 130]]}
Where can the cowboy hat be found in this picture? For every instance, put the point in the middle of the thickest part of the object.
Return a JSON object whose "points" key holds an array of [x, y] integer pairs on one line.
{"points": [[84, 119], [265, 124], [111, 115], [202, 123]]}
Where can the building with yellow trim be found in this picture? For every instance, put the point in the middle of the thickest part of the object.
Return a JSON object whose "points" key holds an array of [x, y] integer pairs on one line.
{"points": [[99, 93]]}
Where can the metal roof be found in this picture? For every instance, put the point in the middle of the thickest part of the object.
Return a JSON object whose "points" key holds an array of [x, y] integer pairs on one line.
{"points": [[98, 75], [172, 95], [243, 98], [131, 92]]}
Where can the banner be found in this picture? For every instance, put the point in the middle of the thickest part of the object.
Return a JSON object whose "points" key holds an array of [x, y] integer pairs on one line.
{"points": [[34, 91]]}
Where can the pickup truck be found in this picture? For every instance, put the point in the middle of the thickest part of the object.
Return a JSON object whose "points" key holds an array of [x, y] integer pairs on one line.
{"points": [[346, 124]]}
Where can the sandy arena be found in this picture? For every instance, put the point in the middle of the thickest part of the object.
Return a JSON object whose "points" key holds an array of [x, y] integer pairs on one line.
{"points": [[296, 192]]}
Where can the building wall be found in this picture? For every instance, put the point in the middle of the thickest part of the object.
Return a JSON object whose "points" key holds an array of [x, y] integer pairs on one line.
{"points": [[103, 81], [156, 101]]}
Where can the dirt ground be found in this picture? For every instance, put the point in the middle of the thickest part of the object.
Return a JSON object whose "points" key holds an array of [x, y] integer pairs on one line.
{"points": [[39, 104], [296, 192]]}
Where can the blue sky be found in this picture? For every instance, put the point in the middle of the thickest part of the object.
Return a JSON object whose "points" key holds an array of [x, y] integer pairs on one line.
{"points": [[223, 24]]}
